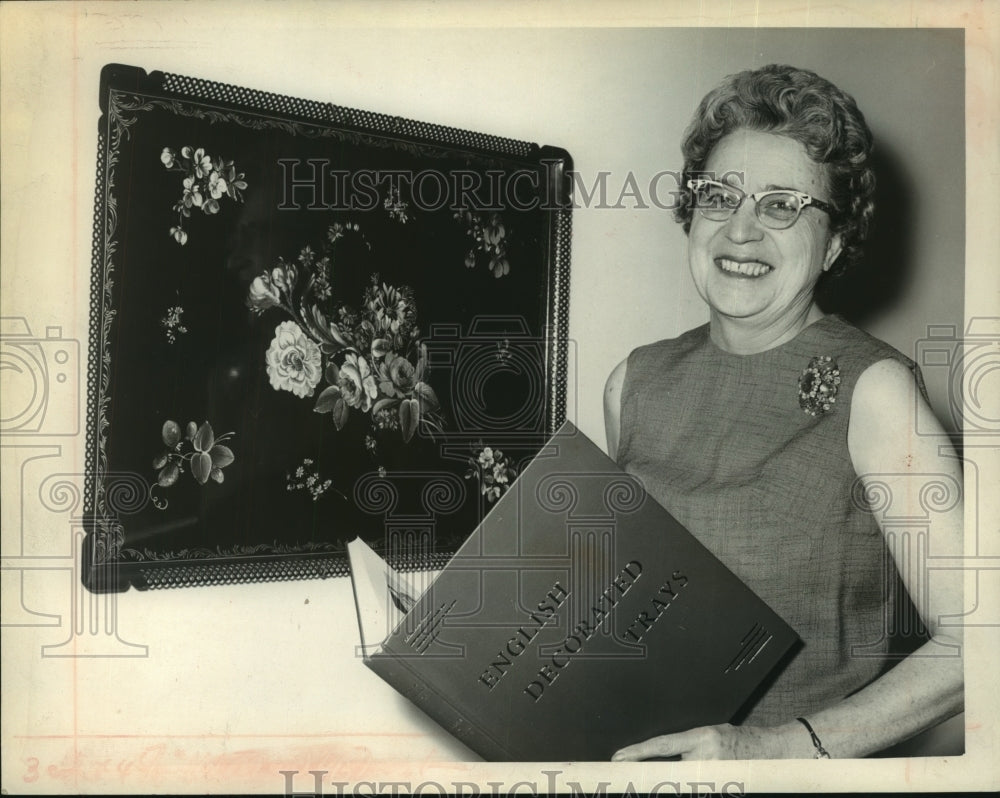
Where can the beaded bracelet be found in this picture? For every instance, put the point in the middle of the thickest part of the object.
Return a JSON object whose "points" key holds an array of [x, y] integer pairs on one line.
{"points": [[821, 752]]}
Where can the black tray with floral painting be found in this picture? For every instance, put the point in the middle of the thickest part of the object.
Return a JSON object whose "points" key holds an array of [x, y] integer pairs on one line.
{"points": [[310, 323]]}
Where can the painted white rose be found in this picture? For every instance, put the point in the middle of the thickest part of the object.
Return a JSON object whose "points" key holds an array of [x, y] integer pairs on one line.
{"points": [[294, 362]]}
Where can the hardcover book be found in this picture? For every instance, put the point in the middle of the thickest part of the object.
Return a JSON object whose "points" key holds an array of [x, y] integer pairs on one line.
{"points": [[578, 618]]}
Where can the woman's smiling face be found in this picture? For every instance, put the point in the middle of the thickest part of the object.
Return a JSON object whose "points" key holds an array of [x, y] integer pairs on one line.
{"points": [[743, 269]]}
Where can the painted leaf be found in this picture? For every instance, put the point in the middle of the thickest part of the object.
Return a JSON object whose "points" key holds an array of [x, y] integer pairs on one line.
{"points": [[221, 456], [341, 410], [326, 400], [191, 430], [421, 363], [171, 433], [204, 439], [168, 475], [332, 373], [337, 334], [217, 475], [313, 317], [161, 460], [426, 395], [201, 466], [327, 331], [409, 417], [384, 403]]}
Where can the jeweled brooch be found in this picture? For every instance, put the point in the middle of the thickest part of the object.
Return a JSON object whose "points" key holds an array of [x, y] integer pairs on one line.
{"points": [[818, 385]]}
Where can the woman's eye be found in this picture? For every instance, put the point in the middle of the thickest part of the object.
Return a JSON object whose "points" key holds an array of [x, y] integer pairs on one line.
{"points": [[719, 198], [781, 205]]}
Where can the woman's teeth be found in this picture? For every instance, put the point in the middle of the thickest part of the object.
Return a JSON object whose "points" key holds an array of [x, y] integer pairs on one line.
{"points": [[749, 268]]}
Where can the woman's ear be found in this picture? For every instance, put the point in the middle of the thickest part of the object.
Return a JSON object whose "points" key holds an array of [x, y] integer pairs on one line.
{"points": [[833, 249]]}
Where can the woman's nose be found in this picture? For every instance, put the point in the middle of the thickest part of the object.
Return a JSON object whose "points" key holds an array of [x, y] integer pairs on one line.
{"points": [[744, 225]]}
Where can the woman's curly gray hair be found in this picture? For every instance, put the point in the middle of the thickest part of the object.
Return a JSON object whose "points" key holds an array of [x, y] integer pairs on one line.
{"points": [[803, 106]]}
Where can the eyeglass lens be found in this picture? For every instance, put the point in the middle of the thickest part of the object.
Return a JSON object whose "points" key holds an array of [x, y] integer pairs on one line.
{"points": [[775, 209]]}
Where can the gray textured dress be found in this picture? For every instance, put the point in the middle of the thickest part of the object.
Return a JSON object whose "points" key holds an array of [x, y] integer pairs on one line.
{"points": [[764, 479]]}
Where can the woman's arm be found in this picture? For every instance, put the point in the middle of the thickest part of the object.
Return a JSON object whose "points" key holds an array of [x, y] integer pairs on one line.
{"points": [[613, 407], [925, 688]]}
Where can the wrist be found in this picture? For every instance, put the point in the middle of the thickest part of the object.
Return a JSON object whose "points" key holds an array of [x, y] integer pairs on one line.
{"points": [[768, 742], [791, 741], [820, 750]]}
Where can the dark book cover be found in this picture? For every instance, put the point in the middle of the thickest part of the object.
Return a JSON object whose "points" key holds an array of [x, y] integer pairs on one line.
{"points": [[578, 618]]}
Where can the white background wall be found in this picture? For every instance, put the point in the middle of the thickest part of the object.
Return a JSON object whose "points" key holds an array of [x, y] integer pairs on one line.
{"points": [[240, 681], [617, 100]]}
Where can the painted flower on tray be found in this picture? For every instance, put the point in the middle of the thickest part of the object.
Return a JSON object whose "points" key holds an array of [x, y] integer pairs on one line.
{"points": [[397, 376], [352, 386], [173, 323], [205, 183], [491, 468], [197, 448], [394, 307], [490, 236], [192, 193], [202, 163], [285, 276], [263, 293], [396, 207], [216, 188], [371, 357], [216, 185], [293, 361], [387, 319], [307, 478], [356, 382]]}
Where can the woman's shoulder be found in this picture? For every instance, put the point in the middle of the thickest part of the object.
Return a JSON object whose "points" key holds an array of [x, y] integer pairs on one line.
{"points": [[641, 365], [852, 341], [885, 388], [655, 356], [663, 351]]}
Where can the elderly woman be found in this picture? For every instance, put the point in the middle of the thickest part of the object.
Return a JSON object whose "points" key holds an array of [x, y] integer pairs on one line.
{"points": [[765, 430]]}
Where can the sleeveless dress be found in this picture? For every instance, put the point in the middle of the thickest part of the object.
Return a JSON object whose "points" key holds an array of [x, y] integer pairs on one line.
{"points": [[723, 443]]}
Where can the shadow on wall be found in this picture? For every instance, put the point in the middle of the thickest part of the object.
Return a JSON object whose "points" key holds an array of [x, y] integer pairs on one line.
{"points": [[876, 283], [869, 288]]}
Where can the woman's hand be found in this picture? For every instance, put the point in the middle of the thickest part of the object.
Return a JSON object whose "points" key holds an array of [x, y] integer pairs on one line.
{"points": [[706, 742]]}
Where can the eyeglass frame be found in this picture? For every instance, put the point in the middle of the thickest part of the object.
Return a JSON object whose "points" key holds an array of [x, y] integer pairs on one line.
{"points": [[804, 199]]}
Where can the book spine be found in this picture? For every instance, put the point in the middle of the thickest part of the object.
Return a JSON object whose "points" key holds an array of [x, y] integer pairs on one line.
{"points": [[393, 670]]}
